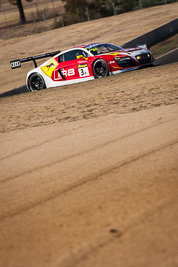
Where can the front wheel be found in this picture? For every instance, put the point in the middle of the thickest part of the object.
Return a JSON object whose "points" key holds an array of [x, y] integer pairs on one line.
{"points": [[100, 68], [36, 82]]}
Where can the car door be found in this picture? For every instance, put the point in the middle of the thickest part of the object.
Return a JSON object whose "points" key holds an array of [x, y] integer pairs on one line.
{"points": [[72, 65]]}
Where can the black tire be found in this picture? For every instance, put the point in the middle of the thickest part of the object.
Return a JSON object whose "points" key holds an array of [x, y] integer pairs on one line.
{"points": [[100, 68], [36, 82]]}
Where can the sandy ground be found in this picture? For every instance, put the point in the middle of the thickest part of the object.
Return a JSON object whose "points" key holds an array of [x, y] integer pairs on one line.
{"points": [[99, 192], [122, 93], [95, 184], [88, 172]]}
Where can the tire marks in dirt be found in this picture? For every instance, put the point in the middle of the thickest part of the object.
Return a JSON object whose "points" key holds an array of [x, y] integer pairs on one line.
{"points": [[73, 155], [84, 180], [117, 236]]}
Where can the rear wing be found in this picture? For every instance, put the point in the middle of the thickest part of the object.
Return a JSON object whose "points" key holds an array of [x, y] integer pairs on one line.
{"points": [[143, 46], [17, 63]]}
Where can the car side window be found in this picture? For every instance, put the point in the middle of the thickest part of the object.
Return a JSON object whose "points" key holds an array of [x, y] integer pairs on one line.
{"points": [[61, 58], [75, 54]]}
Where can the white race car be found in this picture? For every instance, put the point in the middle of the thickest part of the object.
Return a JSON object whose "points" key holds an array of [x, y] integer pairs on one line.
{"points": [[83, 63]]}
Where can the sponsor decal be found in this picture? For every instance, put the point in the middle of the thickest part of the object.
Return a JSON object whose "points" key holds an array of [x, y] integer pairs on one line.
{"points": [[92, 45], [115, 67], [82, 61], [15, 64], [113, 54], [94, 49], [83, 70], [82, 65], [66, 73], [50, 67]]}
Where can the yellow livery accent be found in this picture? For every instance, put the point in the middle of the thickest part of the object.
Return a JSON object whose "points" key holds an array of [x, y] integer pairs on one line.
{"points": [[116, 67], [82, 66], [50, 67], [81, 56], [113, 54]]}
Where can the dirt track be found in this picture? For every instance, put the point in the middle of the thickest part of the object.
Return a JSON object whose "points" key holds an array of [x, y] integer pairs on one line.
{"points": [[89, 174], [96, 185], [129, 92], [99, 192]]}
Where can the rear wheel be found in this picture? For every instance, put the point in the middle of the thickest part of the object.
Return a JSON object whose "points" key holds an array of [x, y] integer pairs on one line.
{"points": [[100, 68], [36, 82]]}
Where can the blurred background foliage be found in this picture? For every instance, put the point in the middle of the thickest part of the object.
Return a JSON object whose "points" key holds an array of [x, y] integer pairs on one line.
{"points": [[24, 17], [82, 10]]}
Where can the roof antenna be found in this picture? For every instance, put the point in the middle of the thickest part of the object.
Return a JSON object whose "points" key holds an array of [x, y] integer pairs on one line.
{"points": [[70, 40]]}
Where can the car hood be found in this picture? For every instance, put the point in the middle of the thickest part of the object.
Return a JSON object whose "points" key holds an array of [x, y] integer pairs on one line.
{"points": [[131, 52]]}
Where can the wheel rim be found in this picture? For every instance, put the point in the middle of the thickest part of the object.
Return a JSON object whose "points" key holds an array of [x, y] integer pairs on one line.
{"points": [[36, 83], [101, 69]]}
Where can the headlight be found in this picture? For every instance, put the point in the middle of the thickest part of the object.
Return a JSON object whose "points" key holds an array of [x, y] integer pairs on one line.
{"points": [[143, 56], [125, 62], [138, 57]]}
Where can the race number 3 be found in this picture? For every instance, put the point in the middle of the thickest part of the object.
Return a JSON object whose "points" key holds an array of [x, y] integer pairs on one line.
{"points": [[83, 72]]}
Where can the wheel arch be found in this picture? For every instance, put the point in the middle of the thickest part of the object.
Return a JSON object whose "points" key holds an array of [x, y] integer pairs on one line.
{"points": [[27, 82], [28, 78], [109, 68]]}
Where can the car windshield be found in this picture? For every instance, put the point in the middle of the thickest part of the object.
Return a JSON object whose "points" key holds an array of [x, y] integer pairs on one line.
{"points": [[102, 48]]}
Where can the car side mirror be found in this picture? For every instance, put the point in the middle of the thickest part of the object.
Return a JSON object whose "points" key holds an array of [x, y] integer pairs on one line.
{"points": [[80, 56]]}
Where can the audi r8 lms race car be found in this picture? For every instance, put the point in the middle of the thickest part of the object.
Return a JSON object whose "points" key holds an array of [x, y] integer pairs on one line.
{"points": [[83, 63]]}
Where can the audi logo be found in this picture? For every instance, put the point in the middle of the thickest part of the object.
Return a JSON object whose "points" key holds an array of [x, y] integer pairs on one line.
{"points": [[15, 64]]}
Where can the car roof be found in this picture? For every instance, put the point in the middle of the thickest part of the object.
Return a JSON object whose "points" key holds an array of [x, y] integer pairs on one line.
{"points": [[88, 45]]}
